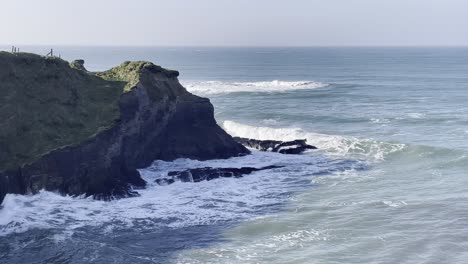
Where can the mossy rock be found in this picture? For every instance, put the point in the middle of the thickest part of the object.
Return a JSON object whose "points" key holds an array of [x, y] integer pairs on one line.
{"points": [[47, 103], [133, 72]]}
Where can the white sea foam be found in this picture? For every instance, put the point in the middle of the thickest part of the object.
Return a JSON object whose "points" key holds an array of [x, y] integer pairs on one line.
{"points": [[219, 87], [248, 249], [409, 116], [331, 144], [380, 120], [416, 115], [199, 203], [203, 203]]}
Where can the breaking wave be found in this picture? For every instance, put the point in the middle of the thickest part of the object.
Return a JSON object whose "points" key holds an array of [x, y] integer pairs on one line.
{"points": [[352, 147], [201, 203], [219, 87]]}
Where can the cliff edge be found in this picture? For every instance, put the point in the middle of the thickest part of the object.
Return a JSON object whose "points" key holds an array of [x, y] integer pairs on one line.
{"points": [[65, 129]]}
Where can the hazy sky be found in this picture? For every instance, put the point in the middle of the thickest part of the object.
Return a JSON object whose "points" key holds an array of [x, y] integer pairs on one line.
{"points": [[234, 22]]}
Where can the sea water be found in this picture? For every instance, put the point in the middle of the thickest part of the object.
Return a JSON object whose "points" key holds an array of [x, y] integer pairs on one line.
{"points": [[388, 183]]}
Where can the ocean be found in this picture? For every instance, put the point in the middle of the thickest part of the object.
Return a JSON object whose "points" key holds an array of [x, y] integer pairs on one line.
{"points": [[388, 183]]}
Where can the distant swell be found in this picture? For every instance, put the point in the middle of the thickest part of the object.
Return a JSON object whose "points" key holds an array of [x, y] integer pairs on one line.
{"points": [[368, 149], [219, 87]]}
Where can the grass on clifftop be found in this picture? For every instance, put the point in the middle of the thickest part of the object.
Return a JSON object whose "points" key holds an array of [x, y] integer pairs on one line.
{"points": [[45, 104], [131, 72], [128, 72]]}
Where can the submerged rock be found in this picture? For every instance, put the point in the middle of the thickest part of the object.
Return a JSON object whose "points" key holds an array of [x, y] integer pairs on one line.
{"points": [[297, 146], [68, 130], [208, 174]]}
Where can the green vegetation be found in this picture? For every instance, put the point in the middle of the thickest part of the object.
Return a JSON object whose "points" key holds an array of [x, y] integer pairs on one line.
{"points": [[133, 72], [128, 72], [46, 104]]}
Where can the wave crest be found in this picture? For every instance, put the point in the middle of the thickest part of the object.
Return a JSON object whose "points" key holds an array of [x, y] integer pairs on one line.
{"points": [[332, 144], [219, 87]]}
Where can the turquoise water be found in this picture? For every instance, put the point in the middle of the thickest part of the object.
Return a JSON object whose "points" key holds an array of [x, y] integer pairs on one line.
{"points": [[387, 185]]}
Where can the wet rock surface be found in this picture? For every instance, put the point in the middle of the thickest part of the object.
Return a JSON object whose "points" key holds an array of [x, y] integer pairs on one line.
{"points": [[208, 174], [297, 146]]}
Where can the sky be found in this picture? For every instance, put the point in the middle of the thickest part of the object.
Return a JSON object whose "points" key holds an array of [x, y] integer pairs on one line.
{"points": [[234, 22]]}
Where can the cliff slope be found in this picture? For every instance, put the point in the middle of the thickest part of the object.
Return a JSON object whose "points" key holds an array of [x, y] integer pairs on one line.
{"points": [[65, 129]]}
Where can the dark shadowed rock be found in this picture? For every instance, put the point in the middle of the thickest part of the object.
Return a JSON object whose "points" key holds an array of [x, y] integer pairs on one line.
{"points": [[208, 174], [79, 65], [297, 146]]}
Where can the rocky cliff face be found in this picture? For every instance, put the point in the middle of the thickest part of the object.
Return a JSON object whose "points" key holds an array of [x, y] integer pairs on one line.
{"points": [[154, 118]]}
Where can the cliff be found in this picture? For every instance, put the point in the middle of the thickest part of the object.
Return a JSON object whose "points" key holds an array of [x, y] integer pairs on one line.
{"points": [[65, 129]]}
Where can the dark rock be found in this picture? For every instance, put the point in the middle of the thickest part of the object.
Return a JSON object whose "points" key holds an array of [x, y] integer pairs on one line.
{"points": [[297, 146], [164, 181], [208, 174], [79, 65]]}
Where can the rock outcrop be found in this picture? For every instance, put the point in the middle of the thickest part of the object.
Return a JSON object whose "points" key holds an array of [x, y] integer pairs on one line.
{"points": [[78, 64], [297, 146], [65, 129], [208, 174]]}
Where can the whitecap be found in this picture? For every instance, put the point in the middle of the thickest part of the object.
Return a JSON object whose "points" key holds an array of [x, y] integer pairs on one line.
{"points": [[379, 120], [220, 87], [416, 115], [368, 149]]}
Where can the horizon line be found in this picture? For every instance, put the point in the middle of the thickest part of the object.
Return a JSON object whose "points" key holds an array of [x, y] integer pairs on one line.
{"points": [[232, 46]]}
